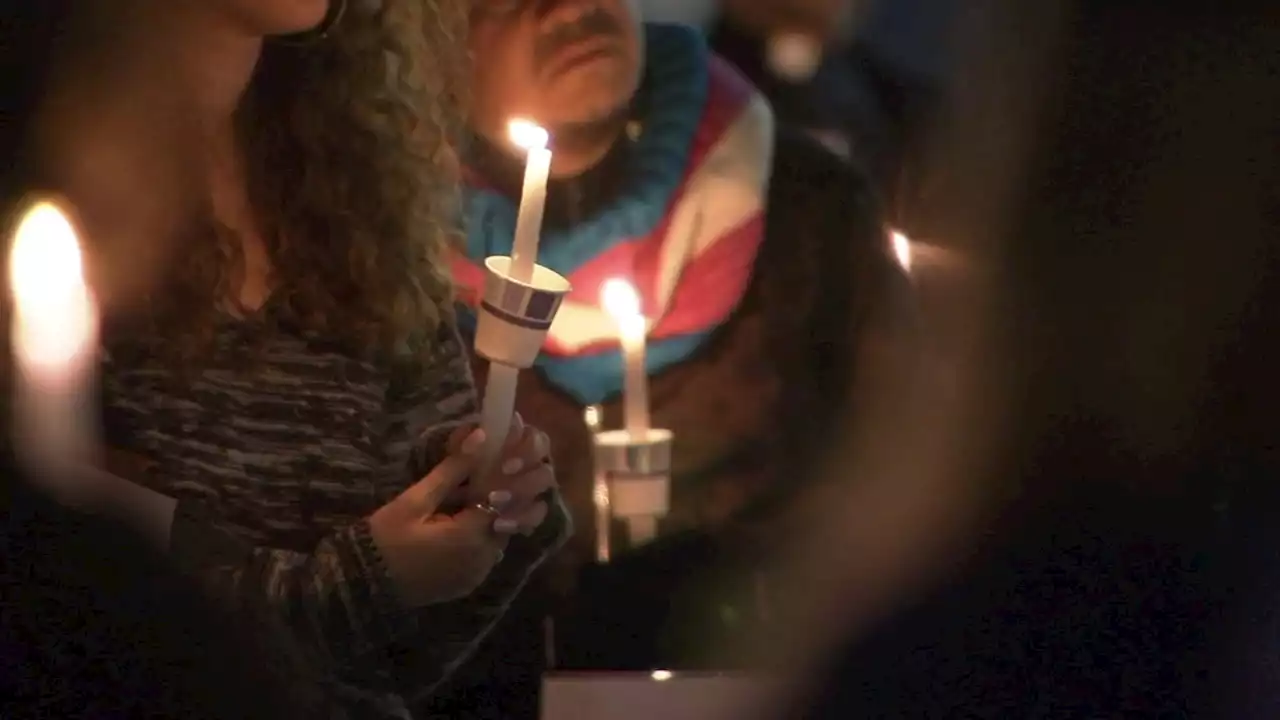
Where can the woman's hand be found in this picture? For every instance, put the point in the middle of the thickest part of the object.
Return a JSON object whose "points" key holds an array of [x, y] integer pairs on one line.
{"points": [[433, 557], [517, 488]]}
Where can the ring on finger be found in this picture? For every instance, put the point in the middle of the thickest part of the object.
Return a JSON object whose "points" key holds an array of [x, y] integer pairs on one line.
{"points": [[487, 508]]}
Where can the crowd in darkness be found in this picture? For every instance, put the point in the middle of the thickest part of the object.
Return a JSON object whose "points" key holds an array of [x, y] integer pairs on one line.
{"points": [[285, 208]]}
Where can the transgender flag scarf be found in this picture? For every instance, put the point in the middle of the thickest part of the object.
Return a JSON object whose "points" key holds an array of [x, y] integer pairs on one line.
{"points": [[685, 231]]}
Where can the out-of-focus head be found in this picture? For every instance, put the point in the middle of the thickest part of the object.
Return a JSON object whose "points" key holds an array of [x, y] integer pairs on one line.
{"points": [[819, 18], [562, 63]]}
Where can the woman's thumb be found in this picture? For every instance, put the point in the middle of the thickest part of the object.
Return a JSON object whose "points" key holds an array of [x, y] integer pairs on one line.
{"points": [[444, 478]]}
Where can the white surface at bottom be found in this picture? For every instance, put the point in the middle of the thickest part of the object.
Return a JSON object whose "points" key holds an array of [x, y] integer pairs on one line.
{"points": [[638, 696]]}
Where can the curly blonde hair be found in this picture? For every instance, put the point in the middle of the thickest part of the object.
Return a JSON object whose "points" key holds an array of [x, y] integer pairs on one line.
{"points": [[353, 170]]}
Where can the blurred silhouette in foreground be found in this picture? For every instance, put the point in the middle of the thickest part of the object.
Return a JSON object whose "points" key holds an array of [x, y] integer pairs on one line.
{"points": [[93, 622], [1084, 532]]}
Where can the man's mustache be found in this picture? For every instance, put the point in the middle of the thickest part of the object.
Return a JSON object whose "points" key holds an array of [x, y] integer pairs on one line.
{"points": [[595, 23]]}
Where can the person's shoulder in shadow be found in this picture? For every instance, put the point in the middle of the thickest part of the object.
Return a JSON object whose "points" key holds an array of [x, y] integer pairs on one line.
{"points": [[823, 210], [823, 270]]}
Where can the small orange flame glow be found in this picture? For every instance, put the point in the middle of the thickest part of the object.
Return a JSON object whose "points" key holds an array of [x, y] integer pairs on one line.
{"points": [[901, 249]]}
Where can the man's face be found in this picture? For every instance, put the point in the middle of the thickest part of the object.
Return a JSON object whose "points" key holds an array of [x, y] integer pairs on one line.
{"points": [[557, 62]]}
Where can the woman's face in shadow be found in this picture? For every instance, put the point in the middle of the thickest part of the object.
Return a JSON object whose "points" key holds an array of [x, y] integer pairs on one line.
{"points": [[268, 18], [115, 133]]}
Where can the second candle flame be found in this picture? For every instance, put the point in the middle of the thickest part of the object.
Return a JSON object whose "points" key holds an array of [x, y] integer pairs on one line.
{"points": [[620, 300]]}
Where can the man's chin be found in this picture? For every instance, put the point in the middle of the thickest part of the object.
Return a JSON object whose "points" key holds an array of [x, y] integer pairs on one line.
{"points": [[589, 95], [603, 68]]}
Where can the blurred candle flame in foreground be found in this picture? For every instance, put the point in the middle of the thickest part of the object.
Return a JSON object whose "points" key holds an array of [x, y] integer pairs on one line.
{"points": [[55, 319], [54, 337]]}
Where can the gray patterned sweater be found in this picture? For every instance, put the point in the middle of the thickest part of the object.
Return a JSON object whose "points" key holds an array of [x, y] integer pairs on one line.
{"points": [[277, 460]]}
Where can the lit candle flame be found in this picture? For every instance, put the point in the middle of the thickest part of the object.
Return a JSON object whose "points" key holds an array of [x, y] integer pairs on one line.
{"points": [[620, 300], [902, 249], [527, 134], [54, 337], [55, 316], [44, 262]]}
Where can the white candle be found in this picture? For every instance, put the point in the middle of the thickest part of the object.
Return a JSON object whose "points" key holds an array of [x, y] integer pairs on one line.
{"points": [[495, 413], [500, 389], [623, 303], [54, 339], [533, 197]]}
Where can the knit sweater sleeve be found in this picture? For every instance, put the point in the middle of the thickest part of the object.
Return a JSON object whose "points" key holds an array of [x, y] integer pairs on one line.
{"points": [[338, 599]]}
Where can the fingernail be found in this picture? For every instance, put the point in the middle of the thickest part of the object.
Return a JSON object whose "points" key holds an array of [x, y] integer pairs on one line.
{"points": [[506, 526], [474, 442], [512, 466], [498, 499]]}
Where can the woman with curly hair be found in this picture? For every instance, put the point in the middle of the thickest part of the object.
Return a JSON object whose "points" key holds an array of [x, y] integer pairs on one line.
{"points": [[291, 402]]}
